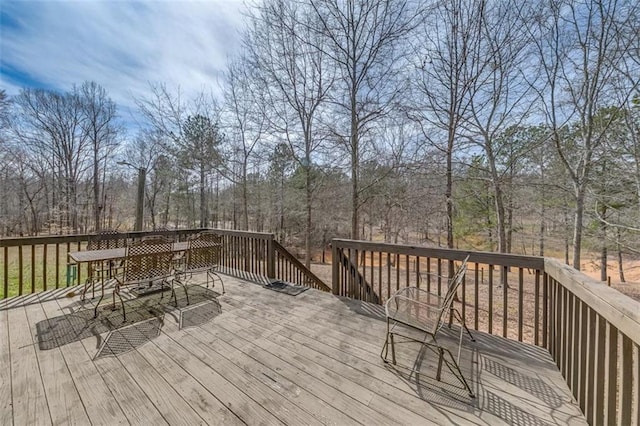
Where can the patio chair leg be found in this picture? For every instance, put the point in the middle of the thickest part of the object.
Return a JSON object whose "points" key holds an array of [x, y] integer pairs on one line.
{"points": [[464, 324], [116, 291], [440, 357], [393, 350], [174, 294], [385, 347], [211, 273], [186, 292], [454, 367], [95, 310], [83, 294]]}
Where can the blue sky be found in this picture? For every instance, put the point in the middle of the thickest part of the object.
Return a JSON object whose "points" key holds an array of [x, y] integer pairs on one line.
{"points": [[122, 45]]}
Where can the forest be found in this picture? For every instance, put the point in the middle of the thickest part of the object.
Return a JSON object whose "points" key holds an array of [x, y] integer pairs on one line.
{"points": [[506, 126]]}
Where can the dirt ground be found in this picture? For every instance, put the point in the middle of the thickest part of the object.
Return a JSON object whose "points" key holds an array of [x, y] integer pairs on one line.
{"points": [[631, 274]]}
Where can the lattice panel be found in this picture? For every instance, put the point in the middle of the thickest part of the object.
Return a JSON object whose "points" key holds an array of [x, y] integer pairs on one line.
{"points": [[149, 259], [204, 251]]}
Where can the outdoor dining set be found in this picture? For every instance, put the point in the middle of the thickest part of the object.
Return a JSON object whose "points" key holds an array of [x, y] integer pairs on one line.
{"points": [[153, 261]]}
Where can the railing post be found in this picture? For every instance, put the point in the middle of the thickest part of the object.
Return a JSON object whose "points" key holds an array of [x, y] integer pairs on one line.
{"points": [[271, 257], [334, 269]]}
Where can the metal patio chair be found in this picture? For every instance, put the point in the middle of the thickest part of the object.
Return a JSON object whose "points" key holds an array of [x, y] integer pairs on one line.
{"points": [[203, 255], [146, 261], [97, 271], [427, 312]]}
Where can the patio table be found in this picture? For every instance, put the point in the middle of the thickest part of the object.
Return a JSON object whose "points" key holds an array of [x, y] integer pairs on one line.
{"points": [[113, 254]]}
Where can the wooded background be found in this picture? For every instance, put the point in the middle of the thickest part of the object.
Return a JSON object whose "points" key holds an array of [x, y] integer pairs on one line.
{"points": [[507, 126]]}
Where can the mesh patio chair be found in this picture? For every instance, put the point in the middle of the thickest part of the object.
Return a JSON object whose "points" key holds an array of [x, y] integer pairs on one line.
{"points": [[146, 261], [96, 271], [426, 312], [202, 255]]}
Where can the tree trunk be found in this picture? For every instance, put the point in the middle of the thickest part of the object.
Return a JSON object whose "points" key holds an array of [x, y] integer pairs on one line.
{"points": [[542, 226], [619, 251], [448, 194], [97, 205], [355, 165], [577, 228], [500, 216], [603, 241], [566, 237], [217, 214], [203, 199], [245, 196], [307, 231]]}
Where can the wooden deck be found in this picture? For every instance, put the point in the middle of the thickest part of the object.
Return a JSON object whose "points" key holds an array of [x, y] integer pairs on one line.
{"points": [[253, 356]]}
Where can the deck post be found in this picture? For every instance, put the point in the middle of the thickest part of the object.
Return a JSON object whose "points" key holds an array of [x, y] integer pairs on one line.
{"points": [[334, 268], [271, 257]]}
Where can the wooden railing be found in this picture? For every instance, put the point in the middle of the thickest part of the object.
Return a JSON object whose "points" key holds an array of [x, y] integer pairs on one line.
{"points": [[591, 331], [499, 290], [594, 338], [288, 268], [34, 264]]}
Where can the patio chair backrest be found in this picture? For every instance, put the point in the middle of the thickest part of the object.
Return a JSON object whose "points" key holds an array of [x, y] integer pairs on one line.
{"points": [[148, 259], [454, 283], [106, 239], [204, 251]]}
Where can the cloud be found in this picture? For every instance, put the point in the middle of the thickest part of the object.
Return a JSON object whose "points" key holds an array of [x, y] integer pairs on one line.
{"points": [[121, 45]]}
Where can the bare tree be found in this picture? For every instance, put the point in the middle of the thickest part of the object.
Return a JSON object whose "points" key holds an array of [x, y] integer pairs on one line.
{"points": [[190, 132], [444, 54], [583, 51], [363, 39], [5, 104], [499, 101], [52, 125], [296, 80], [102, 130], [246, 124]]}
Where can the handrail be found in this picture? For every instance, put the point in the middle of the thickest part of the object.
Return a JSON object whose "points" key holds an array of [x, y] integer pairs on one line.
{"points": [[491, 258], [307, 275], [615, 307], [79, 238], [594, 338]]}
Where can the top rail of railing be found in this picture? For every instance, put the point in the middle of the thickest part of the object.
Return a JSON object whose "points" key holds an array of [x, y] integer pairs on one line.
{"points": [[74, 238], [490, 258]]}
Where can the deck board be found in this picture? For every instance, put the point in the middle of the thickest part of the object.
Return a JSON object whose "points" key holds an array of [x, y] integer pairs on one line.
{"points": [[29, 400], [246, 398], [6, 403], [98, 400], [132, 400], [300, 396], [57, 382], [262, 358]]}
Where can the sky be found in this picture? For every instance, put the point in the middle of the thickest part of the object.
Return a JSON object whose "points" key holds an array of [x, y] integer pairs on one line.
{"points": [[123, 45]]}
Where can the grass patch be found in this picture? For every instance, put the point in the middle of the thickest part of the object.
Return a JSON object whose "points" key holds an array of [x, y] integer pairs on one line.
{"points": [[23, 270]]}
